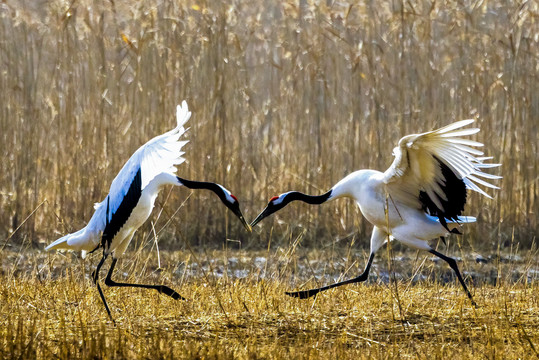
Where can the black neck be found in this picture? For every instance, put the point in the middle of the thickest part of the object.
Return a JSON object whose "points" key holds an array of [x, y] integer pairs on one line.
{"points": [[203, 185], [309, 199]]}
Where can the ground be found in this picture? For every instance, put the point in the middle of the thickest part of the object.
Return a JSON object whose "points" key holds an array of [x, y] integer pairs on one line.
{"points": [[236, 307]]}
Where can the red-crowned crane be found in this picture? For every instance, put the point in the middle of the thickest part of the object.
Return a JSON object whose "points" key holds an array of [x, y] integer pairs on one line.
{"points": [[131, 199], [420, 197]]}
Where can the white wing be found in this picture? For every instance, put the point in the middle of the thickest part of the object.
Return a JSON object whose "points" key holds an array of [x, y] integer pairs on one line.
{"points": [[420, 160], [159, 155]]}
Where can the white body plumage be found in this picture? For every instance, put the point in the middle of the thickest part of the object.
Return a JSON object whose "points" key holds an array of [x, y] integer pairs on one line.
{"points": [[422, 194], [155, 163], [131, 199], [410, 225], [420, 197]]}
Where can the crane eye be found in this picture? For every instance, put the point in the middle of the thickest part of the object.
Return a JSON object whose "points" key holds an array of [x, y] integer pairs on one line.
{"points": [[273, 198], [233, 197]]}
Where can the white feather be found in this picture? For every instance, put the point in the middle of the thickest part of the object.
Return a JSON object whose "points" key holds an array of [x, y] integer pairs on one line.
{"points": [[157, 160], [415, 162]]}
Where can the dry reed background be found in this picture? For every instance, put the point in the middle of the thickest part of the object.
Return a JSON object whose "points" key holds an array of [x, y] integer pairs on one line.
{"points": [[284, 95]]}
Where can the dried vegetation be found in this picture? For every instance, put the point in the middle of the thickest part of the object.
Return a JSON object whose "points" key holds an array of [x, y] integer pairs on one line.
{"points": [[236, 307], [285, 95]]}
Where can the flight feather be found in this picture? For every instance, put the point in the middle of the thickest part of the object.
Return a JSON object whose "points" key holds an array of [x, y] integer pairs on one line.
{"points": [[432, 170]]}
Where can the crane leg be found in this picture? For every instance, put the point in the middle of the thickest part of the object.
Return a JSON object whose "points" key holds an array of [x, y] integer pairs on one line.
{"points": [[308, 293], [453, 264], [161, 288], [95, 276]]}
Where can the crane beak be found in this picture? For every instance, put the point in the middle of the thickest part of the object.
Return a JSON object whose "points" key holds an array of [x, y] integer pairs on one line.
{"points": [[245, 224], [266, 212], [238, 213]]}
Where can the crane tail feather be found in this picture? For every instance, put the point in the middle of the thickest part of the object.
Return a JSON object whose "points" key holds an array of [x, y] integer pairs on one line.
{"points": [[63, 242], [79, 240]]}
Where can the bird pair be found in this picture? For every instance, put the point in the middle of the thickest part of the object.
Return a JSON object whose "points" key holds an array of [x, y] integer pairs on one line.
{"points": [[420, 197]]}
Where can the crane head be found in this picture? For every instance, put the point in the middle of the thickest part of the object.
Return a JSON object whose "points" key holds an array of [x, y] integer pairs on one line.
{"points": [[275, 204], [223, 193], [233, 204]]}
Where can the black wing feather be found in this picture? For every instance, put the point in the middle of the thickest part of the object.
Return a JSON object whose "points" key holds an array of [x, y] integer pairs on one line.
{"points": [[454, 189], [119, 218]]}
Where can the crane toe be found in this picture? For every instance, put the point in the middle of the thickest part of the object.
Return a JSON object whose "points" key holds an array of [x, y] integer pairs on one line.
{"points": [[305, 294], [168, 291]]}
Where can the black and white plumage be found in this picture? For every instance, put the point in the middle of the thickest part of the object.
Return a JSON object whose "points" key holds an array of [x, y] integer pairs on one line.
{"points": [[131, 199], [420, 197]]}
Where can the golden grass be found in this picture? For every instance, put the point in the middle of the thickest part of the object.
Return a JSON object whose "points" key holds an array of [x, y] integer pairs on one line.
{"points": [[50, 309], [285, 95]]}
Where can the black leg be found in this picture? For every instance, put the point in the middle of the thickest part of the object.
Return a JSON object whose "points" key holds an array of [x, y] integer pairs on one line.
{"points": [[308, 293], [161, 288], [95, 273], [453, 264], [95, 276]]}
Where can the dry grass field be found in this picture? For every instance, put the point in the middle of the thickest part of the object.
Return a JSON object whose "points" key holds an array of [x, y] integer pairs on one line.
{"points": [[237, 308], [285, 95]]}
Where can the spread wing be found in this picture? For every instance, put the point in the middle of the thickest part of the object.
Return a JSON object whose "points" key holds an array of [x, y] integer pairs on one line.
{"points": [[433, 170], [159, 155]]}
